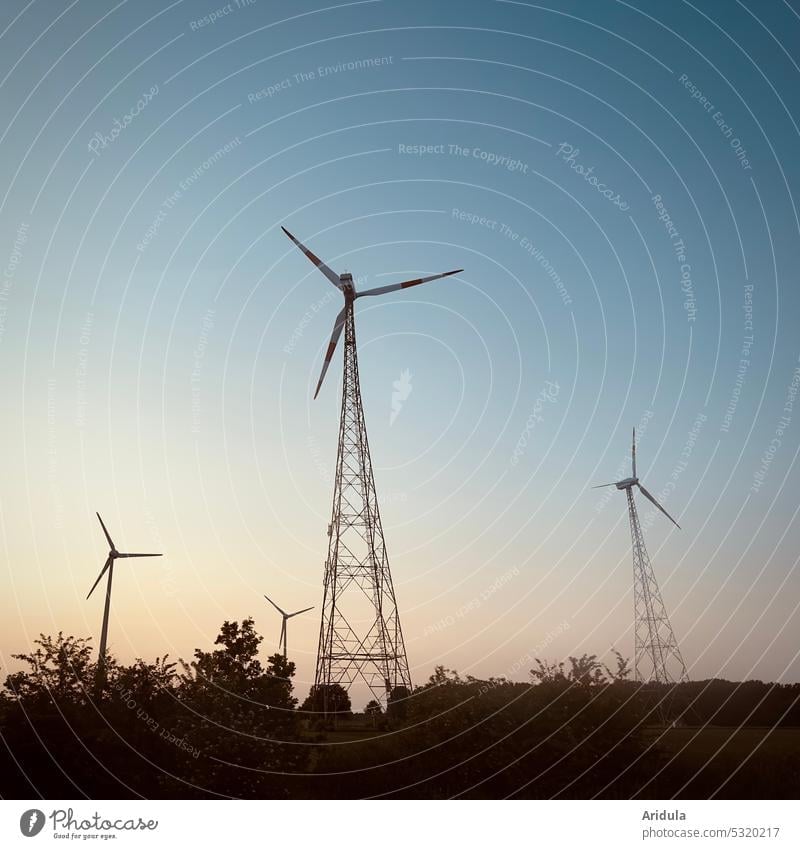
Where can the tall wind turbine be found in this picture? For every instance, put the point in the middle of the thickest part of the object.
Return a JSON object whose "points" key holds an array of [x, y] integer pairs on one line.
{"points": [[360, 635], [286, 616], [113, 555], [656, 650]]}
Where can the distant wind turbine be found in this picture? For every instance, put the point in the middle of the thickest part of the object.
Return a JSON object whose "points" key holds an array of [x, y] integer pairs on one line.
{"points": [[655, 646], [113, 554], [286, 616]]}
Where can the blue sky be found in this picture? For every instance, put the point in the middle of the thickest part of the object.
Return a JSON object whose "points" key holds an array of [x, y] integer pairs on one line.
{"points": [[161, 338]]}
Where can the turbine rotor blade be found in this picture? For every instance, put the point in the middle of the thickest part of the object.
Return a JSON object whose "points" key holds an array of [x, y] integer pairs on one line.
{"points": [[328, 272], [647, 495], [102, 572], [380, 290], [298, 612], [138, 554], [601, 485], [274, 605], [633, 452], [105, 531], [337, 332]]}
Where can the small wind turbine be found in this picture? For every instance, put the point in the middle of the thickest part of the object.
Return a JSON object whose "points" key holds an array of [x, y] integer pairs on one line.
{"points": [[286, 616], [113, 554], [654, 639]]}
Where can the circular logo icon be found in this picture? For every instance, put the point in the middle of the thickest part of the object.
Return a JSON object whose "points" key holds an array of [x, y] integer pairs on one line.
{"points": [[31, 822]]}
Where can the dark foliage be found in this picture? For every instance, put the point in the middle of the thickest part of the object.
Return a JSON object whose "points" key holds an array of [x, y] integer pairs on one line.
{"points": [[226, 724]]}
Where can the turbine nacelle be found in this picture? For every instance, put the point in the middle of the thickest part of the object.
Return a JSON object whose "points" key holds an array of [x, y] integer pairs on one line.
{"points": [[347, 286], [629, 483], [113, 555]]}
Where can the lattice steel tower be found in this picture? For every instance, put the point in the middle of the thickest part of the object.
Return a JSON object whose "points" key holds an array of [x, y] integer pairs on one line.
{"points": [[360, 638], [656, 653], [360, 634]]}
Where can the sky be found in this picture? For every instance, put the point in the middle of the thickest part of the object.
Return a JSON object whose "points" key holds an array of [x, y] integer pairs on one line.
{"points": [[618, 182]]}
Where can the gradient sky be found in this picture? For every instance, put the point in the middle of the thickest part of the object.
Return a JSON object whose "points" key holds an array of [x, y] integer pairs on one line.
{"points": [[160, 337]]}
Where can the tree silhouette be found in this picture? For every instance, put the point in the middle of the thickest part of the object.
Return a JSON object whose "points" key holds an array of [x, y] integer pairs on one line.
{"points": [[236, 712], [373, 711], [227, 725], [60, 670], [327, 698], [397, 704]]}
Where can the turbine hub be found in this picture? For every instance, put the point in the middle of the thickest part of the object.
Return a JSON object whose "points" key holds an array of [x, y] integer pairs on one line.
{"points": [[627, 483], [348, 287]]}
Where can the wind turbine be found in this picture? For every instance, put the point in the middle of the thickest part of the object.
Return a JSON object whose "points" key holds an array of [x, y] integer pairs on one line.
{"points": [[344, 282], [653, 635], [360, 637], [286, 616], [113, 555]]}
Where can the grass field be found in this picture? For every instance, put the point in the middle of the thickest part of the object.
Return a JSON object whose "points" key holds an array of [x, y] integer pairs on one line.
{"points": [[750, 762]]}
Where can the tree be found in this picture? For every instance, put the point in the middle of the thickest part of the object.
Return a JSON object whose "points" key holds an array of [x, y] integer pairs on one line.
{"points": [[233, 678], [397, 704], [373, 708], [623, 670], [237, 713], [587, 671], [234, 668], [584, 671], [327, 699], [373, 711], [60, 671], [151, 684]]}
